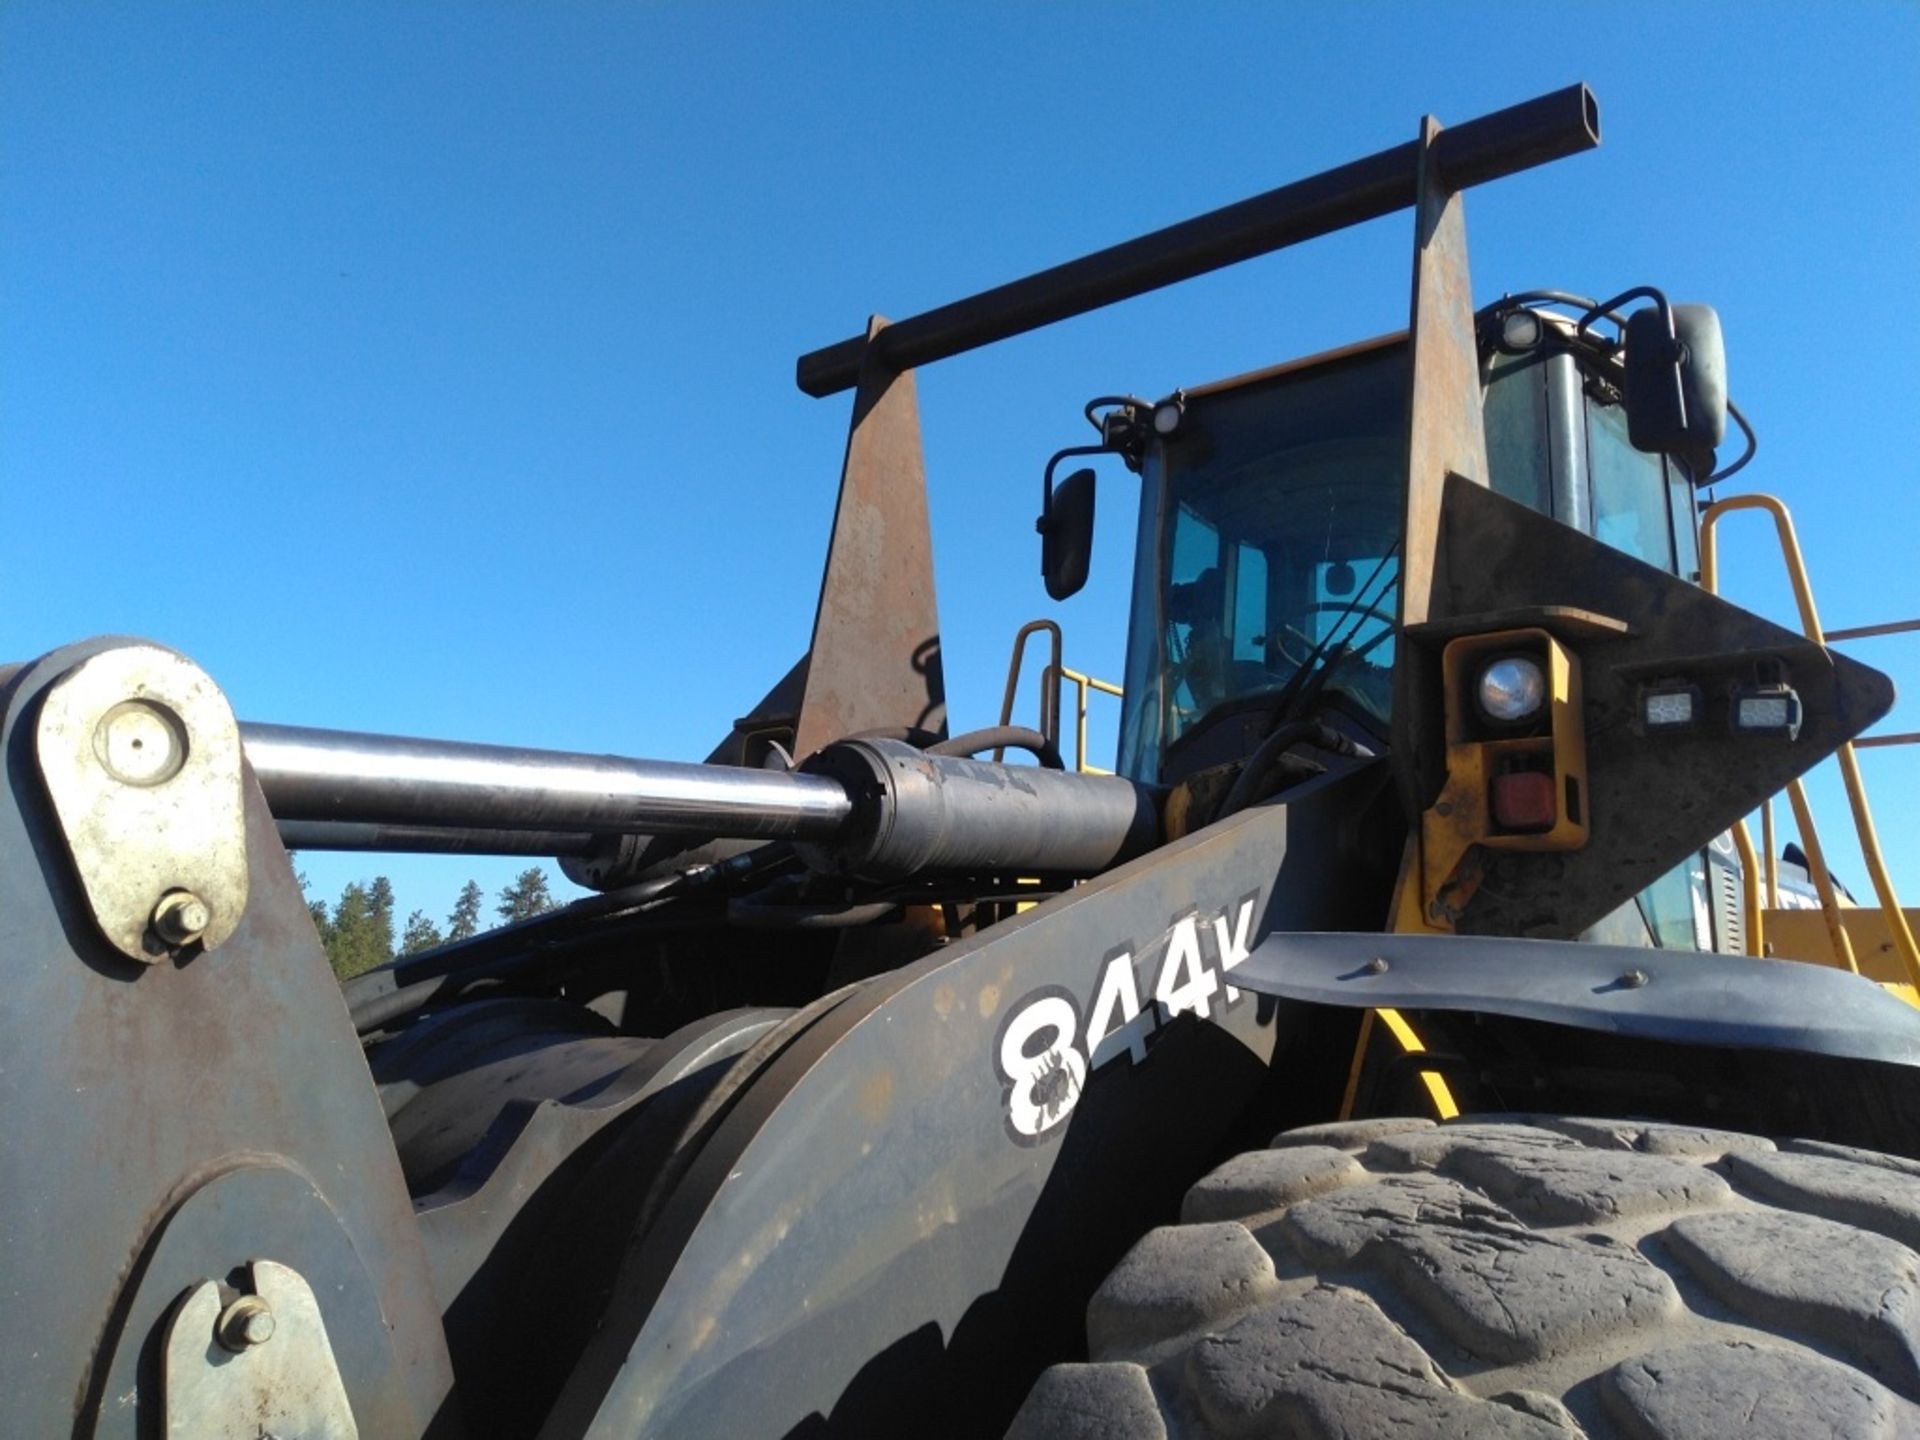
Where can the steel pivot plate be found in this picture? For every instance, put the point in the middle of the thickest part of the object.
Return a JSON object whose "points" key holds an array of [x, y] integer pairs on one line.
{"points": [[258, 1366], [141, 758]]}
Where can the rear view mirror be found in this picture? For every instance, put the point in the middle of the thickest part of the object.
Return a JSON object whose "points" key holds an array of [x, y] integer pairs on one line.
{"points": [[1066, 535], [1676, 386]]}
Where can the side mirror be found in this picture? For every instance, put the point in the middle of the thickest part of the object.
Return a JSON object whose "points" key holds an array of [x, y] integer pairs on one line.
{"points": [[1066, 535], [1676, 385]]}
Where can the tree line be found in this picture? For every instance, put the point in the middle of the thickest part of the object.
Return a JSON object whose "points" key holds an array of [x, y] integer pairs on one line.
{"points": [[358, 928]]}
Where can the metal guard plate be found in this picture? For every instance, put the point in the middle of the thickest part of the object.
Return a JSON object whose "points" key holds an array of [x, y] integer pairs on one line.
{"points": [[1689, 997]]}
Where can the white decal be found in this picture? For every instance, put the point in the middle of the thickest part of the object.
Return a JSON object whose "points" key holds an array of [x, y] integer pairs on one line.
{"points": [[1233, 947], [1046, 1084], [1039, 1059], [1196, 992], [1117, 1022]]}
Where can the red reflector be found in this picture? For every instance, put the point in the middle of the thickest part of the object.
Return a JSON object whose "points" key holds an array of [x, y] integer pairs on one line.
{"points": [[1523, 800]]}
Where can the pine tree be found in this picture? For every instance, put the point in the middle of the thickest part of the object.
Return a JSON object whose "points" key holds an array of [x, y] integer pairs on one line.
{"points": [[316, 908], [351, 940], [421, 934], [465, 920], [526, 897], [380, 911]]}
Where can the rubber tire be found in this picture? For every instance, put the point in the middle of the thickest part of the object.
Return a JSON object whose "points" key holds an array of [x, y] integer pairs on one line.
{"points": [[1512, 1276]]}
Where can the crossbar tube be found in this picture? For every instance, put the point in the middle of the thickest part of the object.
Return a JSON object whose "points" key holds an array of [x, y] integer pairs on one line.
{"points": [[1548, 127]]}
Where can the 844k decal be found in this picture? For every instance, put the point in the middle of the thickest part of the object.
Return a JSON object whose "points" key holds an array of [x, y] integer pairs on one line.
{"points": [[1049, 1043]]}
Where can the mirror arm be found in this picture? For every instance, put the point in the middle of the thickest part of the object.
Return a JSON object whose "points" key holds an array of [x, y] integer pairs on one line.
{"points": [[1608, 308], [1676, 351], [1046, 479]]}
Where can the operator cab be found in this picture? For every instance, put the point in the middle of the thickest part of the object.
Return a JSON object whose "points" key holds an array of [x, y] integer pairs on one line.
{"points": [[1268, 568], [1266, 584]]}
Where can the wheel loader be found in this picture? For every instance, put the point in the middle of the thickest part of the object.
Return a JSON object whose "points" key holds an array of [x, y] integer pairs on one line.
{"points": [[1388, 1043]]}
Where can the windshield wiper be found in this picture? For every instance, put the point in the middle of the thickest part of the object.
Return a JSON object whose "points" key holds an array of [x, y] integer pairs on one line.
{"points": [[1307, 681], [1300, 689]]}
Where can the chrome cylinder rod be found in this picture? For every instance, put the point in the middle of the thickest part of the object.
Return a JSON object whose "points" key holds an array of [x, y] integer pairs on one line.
{"points": [[389, 780], [430, 839]]}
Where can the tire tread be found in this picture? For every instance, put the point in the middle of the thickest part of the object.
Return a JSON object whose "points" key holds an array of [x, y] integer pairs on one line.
{"points": [[1518, 1275]]}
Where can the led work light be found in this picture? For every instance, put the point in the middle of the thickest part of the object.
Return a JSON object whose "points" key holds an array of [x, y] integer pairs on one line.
{"points": [[1671, 706], [1766, 710]]}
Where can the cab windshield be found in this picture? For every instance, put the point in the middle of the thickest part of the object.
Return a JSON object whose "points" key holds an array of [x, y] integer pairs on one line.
{"points": [[1273, 516]]}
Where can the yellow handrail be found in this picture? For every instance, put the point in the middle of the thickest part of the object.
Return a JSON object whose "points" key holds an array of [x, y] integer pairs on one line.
{"points": [[1082, 684], [1822, 877], [1773, 852], [1849, 766], [1751, 910]]}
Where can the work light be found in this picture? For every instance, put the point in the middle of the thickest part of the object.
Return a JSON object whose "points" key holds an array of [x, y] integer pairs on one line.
{"points": [[1766, 710], [1519, 331], [1512, 688], [1671, 706]]}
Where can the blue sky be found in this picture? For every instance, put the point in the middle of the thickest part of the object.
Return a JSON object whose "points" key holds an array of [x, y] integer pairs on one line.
{"points": [[428, 368]]}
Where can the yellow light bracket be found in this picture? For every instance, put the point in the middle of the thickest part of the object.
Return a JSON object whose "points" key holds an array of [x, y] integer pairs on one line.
{"points": [[1511, 784], [1652, 798]]}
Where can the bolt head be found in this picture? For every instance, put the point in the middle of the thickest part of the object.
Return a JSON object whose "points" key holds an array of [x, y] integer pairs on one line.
{"points": [[245, 1323], [1634, 979], [181, 917], [1376, 966]]}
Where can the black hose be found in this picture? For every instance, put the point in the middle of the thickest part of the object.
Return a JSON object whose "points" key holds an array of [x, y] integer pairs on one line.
{"points": [[1247, 786], [426, 974], [517, 971], [379, 1011], [759, 915], [907, 734], [995, 737], [1753, 445]]}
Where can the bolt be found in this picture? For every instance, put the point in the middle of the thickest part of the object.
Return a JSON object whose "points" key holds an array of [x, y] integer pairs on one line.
{"points": [[1634, 979], [181, 917], [1376, 966], [245, 1323]]}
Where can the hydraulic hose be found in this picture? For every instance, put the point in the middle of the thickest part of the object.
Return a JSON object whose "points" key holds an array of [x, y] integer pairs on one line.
{"points": [[1250, 783], [997, 737]]}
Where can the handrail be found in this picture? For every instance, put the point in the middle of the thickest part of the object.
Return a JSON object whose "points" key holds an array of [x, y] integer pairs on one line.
{"points": [[1862, 632], [1082, 684], [1052, 679], [1822, 877], [1870, 742], [1849, 765], [1049, 694], [1773, 852], [1752, 912]]}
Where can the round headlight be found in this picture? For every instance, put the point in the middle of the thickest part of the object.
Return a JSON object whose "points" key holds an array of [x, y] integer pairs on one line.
{"points": [[1513, 688], [1520, 331], [1167, 416]]}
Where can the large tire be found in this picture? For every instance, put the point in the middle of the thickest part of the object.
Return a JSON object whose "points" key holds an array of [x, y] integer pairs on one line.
{"points": [[1513, 1277]]}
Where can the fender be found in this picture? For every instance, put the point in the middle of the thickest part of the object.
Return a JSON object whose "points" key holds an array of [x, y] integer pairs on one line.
{"points": [[899, 1221], [1690, 997]]}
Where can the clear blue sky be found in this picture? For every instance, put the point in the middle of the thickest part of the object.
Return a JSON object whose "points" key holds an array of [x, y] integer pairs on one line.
{"points": [[427, 368]]}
